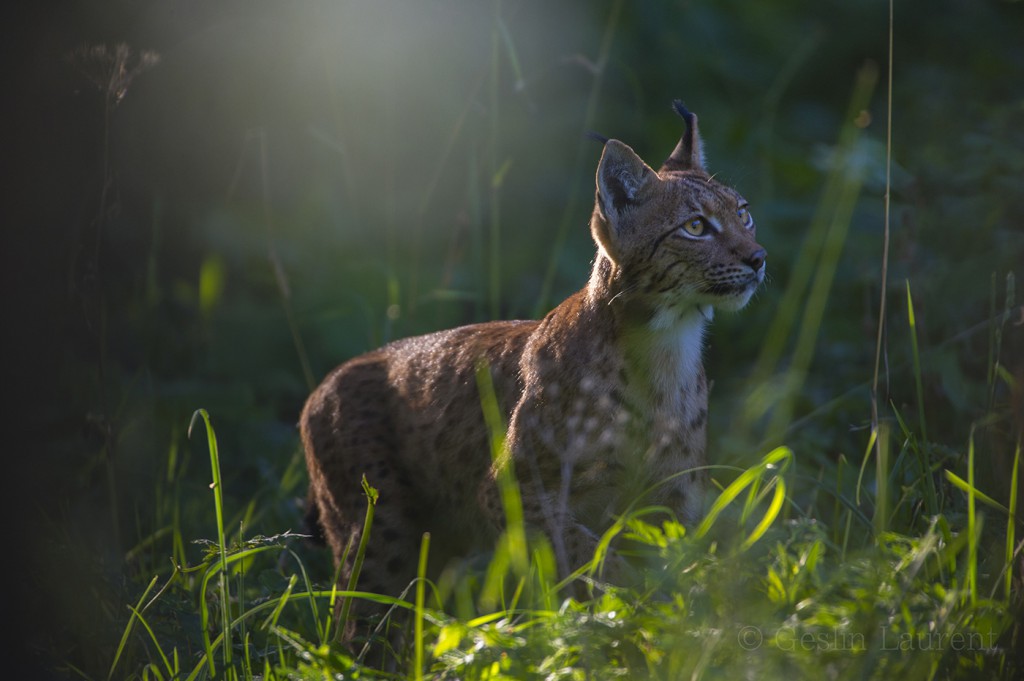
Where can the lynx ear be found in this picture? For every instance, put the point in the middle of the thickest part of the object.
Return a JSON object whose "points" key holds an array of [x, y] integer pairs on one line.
{"points": [[689, 152], [621, 178], [621, 175]]}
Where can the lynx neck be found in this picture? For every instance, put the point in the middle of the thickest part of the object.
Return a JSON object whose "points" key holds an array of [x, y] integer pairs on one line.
{"points": [[662, 347], [666, 355]]}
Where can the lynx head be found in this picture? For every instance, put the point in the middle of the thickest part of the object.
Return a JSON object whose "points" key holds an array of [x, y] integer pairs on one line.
{"points": [[675, 239]]}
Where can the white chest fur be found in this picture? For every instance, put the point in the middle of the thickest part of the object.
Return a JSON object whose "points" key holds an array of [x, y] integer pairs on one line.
{"points": [[664, 359]]}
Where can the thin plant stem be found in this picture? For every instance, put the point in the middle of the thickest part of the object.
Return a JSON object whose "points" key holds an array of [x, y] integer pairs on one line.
{"points": [[885, 228], [973, 528], [881, 518], [421, 582], [357, 563], [1011, 524], [923, 452], [494, 260]]}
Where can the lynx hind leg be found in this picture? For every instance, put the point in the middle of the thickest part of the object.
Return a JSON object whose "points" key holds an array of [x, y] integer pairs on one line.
{"points": [[347, 433]]}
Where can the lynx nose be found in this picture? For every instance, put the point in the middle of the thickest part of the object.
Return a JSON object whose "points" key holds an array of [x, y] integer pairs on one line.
{"points": [[756, 259]]}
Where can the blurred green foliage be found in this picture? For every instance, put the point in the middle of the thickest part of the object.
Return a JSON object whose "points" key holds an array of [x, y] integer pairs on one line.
{"points": [[297, 182]]}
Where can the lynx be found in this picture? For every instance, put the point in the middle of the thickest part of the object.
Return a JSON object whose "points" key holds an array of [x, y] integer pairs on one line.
{"points": [[605, 397]]}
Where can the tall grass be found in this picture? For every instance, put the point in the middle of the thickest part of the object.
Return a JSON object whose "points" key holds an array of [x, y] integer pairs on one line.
{"points": [[744, 592], [218, 497], [808, 288]]}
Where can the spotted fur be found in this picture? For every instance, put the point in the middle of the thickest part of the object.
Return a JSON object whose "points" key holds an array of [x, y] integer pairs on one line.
{"points": [[605, 396]]}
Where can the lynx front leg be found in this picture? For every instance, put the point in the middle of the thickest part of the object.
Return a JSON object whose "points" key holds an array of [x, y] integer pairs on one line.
{"points": [[572, 542], [544, 482]]}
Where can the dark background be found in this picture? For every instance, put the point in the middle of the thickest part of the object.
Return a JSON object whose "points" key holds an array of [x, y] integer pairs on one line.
{"points": [[355, 155]]}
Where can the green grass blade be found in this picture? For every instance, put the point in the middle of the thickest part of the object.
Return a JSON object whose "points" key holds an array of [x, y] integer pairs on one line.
{"points": [[514, 545], [803, 302], [864, 464], [218, 498], [325, 630], [272, 618], [313, 609], [219, 569], [273, 603], [494, 165], [129, 626], [770, 515], [171, 670], [357, 564], [1011, 523], [779, 457], [886, 228], [965, 486], [931, 498], [421, 582], [881, 517], [949, 540], [246, 657], [973, 529]]}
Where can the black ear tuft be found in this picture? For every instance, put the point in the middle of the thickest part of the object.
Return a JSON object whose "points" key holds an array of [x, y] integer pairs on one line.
{"points": [[681, 109], [597, 137], [689, 152]]}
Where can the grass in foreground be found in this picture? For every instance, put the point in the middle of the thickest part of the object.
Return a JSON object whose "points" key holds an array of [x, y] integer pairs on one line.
{"points": [[759, 589]]}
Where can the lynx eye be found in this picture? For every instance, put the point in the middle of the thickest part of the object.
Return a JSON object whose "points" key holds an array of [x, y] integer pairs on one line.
{"points": [[745, 216], [695, 227]]}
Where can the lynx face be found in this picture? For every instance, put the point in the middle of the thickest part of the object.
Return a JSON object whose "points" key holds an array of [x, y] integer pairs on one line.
{"points": [[678, 238]]}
